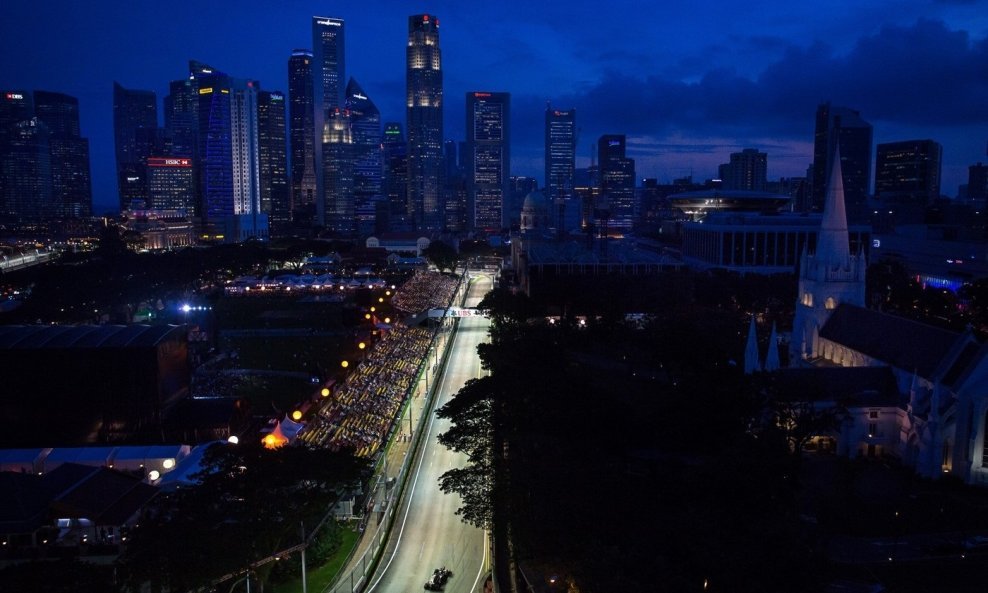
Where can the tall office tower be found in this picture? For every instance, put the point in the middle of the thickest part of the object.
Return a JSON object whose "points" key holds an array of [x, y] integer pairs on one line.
{"points": [[617, 184], [396, 178], [746, 171], [365, 126], [132, 110], [273, 160], [181, 117], [72, 194], [424, 121], [229, 157], [977, 184], [908, 173], [488, 166], [560, 152], [15, 106], [302, 136], [327, 92], [337, 153], [454, 193], [26, 166], [171, 184], [844, 128]]}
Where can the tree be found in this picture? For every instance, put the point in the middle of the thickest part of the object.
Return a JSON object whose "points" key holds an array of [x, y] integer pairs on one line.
{"points": [[246, 506], [442, 255], [471, 433]]}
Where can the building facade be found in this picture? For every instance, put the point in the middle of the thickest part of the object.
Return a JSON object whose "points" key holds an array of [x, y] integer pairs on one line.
{"points": [[133, 110], [329, 61], [273, 160], [560, 155], [747, 170], [396, 178], [907, 175], [424, 122], [843, 128], [337, 153], [365, 126], [302, 136], [171, 184], [617, 184], [488, 163], [228, 148]]}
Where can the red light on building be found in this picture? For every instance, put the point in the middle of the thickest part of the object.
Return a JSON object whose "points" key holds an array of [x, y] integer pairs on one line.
{"points": [[425, 18], [481, 94]]}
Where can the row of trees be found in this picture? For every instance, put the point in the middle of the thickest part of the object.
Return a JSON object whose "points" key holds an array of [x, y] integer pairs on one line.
{"points": [[630, 460]]}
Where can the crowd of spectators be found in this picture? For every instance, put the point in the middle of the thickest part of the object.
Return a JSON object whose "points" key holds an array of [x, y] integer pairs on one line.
{"points": [[363, 409], [425, 290]]}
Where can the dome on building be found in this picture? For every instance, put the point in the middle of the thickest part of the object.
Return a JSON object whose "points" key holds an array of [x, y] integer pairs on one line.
{"points": [[534, 201], [534, 213]]}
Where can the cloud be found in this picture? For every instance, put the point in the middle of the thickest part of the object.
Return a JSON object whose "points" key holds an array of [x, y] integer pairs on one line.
{"points": [[923, 76]]}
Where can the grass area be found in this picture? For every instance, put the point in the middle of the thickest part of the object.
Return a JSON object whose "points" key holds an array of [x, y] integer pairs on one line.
{"points": [[320, 577]]}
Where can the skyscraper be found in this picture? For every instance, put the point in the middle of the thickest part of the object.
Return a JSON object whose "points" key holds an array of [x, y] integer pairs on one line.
{"points": [[327, 92], [560, 152], [396, 177], [71, 186], [842, 127], [302, 136], [181, 117], [424, 121], [15, 106], [171, 184], [747, 170], [132, 110], [273, 160], [27, 173], [489, 160], [365, 127], [617, 183], [228, 150], [337, 154], [907, 173], [977, 184]]}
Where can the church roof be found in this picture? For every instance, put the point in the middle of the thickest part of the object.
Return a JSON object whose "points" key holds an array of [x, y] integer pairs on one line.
{"points": [[851, 386], [895, 341]]}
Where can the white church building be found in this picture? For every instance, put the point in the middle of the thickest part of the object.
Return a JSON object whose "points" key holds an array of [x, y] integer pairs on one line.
{"points": [[924, 397]]}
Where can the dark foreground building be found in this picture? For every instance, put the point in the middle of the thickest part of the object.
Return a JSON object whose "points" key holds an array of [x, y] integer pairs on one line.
{"points": [[72, 385]]}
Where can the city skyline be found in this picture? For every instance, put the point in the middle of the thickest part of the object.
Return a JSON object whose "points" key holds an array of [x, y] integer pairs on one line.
{"points": [[694, 85]]}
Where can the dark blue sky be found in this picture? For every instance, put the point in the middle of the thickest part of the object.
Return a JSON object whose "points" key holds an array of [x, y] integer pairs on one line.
{"points": [[688, 82]]}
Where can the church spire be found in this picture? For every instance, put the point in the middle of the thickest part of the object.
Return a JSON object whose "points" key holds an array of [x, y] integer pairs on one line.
{"points": [[751, 359], [832, 244], [772, 356]]}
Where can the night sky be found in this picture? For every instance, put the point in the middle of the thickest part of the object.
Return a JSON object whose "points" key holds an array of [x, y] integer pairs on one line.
{"points": [[688, 82]]}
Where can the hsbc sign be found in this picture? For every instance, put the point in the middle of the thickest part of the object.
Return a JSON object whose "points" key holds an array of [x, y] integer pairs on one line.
{"points": [[169, 162]]}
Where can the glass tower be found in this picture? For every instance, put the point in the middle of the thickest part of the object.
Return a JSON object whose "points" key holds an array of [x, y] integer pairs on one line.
{"points": [[489, 160], [365, 126], [71, 185], [302, 136], [424, 121], [840, 126], [132, 110], [617, 183], [327, 91], [396, 177], [273, 159]]}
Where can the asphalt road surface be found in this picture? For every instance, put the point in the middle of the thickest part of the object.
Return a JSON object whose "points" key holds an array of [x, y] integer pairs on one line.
{"points": [[427, 533]]}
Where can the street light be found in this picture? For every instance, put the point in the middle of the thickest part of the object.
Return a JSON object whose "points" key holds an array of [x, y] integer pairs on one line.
{"points": [[324, 392], [344, 364]]}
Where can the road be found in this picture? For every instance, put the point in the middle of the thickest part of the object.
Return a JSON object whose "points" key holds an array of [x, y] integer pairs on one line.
{"points": [[428, 534]]}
